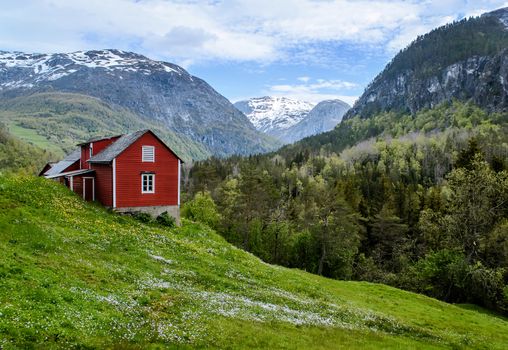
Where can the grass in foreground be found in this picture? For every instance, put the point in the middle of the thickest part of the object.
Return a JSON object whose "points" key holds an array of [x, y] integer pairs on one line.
{"points": [[73, 275]]}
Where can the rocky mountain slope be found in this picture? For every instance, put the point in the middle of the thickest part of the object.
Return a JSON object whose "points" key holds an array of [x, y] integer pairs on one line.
{"points": [[272, 115], [323, 117], [56, 121], [290, 120], [466, 60], [156, 91]]}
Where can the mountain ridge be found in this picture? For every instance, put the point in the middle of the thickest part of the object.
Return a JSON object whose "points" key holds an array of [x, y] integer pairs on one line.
{"points": [[154, 90], [271, 114], [325, 116], [290, 120], [465, 60]]}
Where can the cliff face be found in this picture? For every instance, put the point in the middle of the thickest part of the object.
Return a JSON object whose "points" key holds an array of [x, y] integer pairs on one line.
{"points": [[467, 60], [482, 80]]}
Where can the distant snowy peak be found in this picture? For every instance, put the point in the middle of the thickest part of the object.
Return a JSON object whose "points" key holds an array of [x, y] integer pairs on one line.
{"points": [[323, 117], [291, 120], [50, 67], [274, 114]]}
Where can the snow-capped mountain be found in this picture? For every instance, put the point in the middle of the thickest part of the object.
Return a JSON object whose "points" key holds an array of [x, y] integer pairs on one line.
{"points": [[155, 90], [272, 115], [290, 120], [51, 67], [323, 117]]}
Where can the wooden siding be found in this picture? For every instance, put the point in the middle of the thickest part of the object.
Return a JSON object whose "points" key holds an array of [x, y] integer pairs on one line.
{"points": [[103, 184], [97, 146], [85, 155], [129, 168], [72, 167], [77, 185], [46, 168]]}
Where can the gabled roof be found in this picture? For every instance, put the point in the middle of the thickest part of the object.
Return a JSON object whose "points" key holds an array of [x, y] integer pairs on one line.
{"points": [[120, 145], [70, 159]]}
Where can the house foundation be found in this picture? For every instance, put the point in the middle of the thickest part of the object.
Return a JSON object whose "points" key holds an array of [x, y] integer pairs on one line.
{"points": [[154, 211]]}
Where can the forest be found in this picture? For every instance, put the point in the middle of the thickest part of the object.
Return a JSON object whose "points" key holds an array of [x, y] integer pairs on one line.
{"points": [[448, 44], [419, 202]]}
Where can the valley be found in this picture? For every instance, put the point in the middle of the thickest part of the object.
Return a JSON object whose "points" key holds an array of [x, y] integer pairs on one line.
{"points": [[290, 120], [305, 225]]}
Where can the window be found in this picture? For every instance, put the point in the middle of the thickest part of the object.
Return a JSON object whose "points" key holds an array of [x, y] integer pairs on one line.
{"points": [[148, 153], [147, 183]]}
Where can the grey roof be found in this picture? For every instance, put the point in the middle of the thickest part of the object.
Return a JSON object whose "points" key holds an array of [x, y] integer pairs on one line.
{"points": [[70, 159], [97, 138], [72, 173], [117, 147], [74, 155]]}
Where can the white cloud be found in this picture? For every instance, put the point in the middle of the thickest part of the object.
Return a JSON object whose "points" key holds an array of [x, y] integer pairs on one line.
{"points": [[314, 90], [237, 30]]}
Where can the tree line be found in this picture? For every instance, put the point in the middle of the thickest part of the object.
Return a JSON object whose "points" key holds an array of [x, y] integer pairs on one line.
{"points": [[420, 203]]}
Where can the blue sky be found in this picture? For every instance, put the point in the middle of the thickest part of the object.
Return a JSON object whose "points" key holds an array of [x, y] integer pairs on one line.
{"points": [[306, 49]]}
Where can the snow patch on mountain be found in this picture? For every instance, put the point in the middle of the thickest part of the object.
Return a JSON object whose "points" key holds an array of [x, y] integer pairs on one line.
{"points": [[291, 120], [274, 114], [51, 67], [159, 91]]}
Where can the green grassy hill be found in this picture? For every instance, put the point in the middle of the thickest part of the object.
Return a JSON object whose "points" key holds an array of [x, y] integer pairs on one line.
{"points": [[56, 122], [73, 275], [21, 157]]}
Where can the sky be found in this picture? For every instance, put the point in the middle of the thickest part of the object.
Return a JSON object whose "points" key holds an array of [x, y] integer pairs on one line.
{"points": [[310, 50]]}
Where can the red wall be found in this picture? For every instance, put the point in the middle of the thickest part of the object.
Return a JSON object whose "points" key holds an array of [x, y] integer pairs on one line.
{"points": [[73, 166], [77, 185], [128, 175], [85, 155], [98, 146], [103, 184]]}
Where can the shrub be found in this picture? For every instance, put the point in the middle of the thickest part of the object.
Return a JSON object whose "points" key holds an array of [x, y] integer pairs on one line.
{"points": [[166, 220], [446, 275], [143, 217], [202, 208]]}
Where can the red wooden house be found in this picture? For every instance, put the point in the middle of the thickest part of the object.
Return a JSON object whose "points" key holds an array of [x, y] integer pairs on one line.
{"points": [[135, 172]]}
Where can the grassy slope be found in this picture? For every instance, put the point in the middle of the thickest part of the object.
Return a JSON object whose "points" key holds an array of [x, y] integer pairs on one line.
{"points": [[57, 121], [19, 156], [74, 275]]}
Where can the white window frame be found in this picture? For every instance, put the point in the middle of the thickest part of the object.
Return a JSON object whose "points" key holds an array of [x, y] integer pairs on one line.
{"points": [[143, 153], [153, 183]]}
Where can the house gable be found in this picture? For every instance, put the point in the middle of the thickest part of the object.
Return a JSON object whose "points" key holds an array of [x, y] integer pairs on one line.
{"points": [[129, 168]]}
